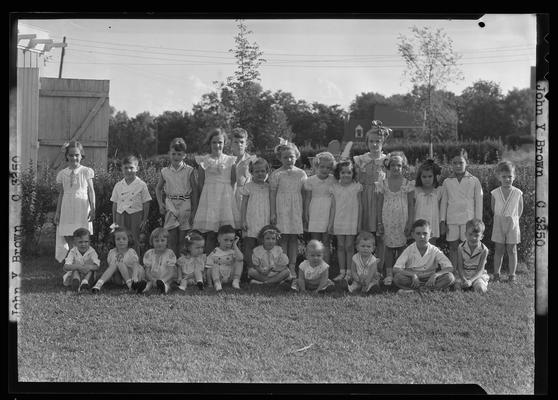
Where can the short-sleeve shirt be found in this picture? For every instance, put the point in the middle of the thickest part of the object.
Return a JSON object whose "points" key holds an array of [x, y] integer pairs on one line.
{"points": [[189, 264], [423, 265], [159, 262], [470, 258], [130, 258], [220, 258], [75, 257], [177, 181], [130, 197], [363, 266], [312, 273], [268, 260]]}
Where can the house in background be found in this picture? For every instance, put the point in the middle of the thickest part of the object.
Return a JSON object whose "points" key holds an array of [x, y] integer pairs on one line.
{"points": [[403, 124]]}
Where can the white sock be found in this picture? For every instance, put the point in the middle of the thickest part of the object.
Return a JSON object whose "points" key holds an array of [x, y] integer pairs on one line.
{"points": [[99, 283], [129, 283]]}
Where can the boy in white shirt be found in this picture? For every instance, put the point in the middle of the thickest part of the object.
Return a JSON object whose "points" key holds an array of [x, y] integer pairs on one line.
{"points": [[417, 265], [130, 200]]}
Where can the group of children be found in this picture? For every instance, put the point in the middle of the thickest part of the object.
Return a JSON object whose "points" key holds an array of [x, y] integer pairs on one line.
{"points": [[367, 204]]}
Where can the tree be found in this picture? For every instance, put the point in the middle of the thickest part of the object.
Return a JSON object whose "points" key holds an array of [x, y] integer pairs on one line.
{"points": [[362, 106], [482, 112], [248, 59], [169, 125], [519, 106], [431, 64]]}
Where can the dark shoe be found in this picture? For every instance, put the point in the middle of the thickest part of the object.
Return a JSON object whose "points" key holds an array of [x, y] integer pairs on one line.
{"points": [[512, 279], [95, 290], [161, 286], [134, 286], [200, 285], [496, 278], [75, 284], [140, 286], [83, 286]]}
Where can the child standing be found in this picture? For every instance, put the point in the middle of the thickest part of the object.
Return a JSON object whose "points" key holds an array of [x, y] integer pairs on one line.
{"points": [[130, 200], [75, 207], [427, 197], [269, 263], [225, 261], [159, 262], [471, 258], [395, 197], [216, 180], [191, 264], [123, 260], [507, 206], [178, 185], [313, 272], [369, 170], [285, 200], [364, 266], [418, 264], [255, 206], [317, 199], [239, 141], [461, 202], [81, 262], [345, 216]]}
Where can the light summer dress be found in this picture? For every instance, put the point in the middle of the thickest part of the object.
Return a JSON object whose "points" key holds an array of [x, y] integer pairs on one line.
{"points": [[395, 212], [288, 204], [320, 205]]}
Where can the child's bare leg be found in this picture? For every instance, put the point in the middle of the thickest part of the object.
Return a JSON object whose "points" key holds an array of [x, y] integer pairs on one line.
{"points": [[257, 275], [236, 273], [341, 257], [109, 272], [215, 277], [173, 241], [209, 277], [249, 244], [498, 258], [123, 269], [293, 253], [388, 264], [349, 252], [279, 277], [453, 252], [380, 251], [511, 249]]}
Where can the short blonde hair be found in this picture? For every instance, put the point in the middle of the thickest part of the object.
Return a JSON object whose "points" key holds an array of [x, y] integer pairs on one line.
{"points": [[315, 245], [505, 166], [324, 155], [158, 232]]}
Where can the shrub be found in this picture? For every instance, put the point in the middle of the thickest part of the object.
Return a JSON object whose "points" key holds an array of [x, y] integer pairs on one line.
{"points": [[40, 198]]}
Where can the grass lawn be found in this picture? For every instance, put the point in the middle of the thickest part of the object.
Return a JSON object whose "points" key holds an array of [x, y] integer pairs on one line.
{"points": [[253, 335]]}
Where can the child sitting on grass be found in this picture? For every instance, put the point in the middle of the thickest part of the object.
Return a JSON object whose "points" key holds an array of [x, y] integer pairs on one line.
{"points": [[191, 264], [225, 261], [270, 264], [418, 263], [471, 259], [81, 262], [124, 262], [313, 272], [159, 262], [364, 266]]}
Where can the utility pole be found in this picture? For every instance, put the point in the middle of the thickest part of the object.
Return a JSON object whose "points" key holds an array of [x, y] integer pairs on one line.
{"points": [[62, 58]]}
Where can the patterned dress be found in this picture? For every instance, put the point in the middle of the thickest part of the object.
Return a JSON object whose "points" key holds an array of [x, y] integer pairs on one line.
{"points": [[288, 204], [395, 212], [320, 205], [217, 200], [369, 171]]}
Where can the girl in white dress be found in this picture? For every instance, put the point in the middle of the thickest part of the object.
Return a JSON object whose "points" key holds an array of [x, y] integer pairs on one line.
{"points": [[216, 180], [159, 262], [269, 263], [345, 216], [75, 207], [317, 199], [427, 197], [285, 201], [395, 197], [255, 206], [123, 264]]}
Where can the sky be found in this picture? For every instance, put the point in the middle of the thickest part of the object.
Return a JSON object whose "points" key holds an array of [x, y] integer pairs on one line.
{"points": [[159, 65]]}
